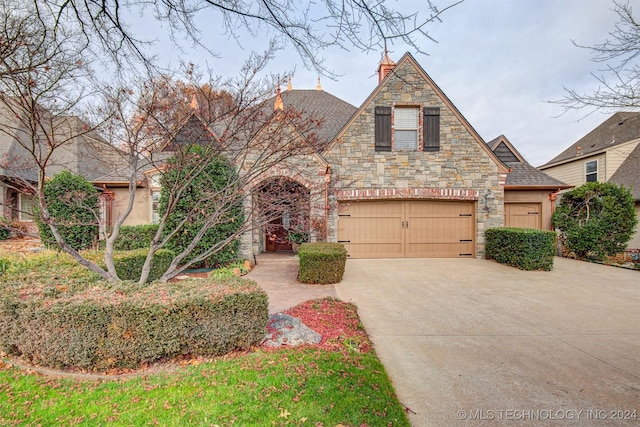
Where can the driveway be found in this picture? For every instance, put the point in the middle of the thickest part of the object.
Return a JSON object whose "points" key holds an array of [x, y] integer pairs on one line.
{"points": [[473, 342]]}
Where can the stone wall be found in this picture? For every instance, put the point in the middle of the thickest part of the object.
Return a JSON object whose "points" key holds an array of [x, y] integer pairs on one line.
{"points": [[461, 170]]}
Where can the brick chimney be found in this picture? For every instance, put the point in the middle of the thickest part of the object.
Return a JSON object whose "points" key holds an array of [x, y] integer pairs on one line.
{"points": [[385, 67]]}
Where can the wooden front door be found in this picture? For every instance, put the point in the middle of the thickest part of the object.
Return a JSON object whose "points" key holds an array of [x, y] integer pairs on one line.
{"points": [[276, 237]]}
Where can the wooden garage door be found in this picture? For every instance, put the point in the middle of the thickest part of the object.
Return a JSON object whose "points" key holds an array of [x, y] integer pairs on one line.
{"points": [[407, 229], [523, 215]]}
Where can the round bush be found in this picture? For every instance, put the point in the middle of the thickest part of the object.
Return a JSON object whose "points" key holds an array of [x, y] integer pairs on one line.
{"points": [[596, 219], [72, 202]]}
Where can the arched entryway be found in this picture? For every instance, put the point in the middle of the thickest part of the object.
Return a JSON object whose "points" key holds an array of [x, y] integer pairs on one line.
{"points": [[283, 208]]}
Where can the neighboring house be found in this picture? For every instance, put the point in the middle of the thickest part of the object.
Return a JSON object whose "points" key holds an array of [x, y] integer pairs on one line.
{"points": [[80, 152], [529, 194], [609, 153]]}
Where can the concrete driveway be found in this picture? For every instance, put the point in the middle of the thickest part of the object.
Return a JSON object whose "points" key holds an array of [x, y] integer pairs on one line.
{"points": [[473, 342]]}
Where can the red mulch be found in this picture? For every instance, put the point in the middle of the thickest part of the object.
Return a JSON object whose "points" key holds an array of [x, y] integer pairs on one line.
{"points": [[336, 321]]}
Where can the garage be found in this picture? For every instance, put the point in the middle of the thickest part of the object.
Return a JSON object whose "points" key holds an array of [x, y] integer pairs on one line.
{"points": [[523, 215], [407, 229]]}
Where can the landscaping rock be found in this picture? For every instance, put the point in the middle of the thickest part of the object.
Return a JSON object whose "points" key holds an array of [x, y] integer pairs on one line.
{"points": [[283, 329]]}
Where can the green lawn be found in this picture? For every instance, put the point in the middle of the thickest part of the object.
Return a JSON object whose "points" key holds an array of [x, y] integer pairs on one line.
{"points": [[339, 382], [307, 387]]}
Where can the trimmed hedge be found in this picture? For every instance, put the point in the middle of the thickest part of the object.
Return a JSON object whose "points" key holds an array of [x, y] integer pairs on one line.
{"points": [[129, 263], [322, 263], [125, 325], [135, 237], [525, 248]]}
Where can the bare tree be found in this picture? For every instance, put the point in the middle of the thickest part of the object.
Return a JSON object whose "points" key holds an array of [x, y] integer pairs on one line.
{"points": [[308, 27], [44, 80], [619, 82]]}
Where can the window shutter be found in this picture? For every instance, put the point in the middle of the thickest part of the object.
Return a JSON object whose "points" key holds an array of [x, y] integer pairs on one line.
{"points": [[383, 128], [431, 129]]}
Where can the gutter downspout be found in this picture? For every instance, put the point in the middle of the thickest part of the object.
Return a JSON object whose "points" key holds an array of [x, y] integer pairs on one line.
{"points": [[327, 179], [552, 198]]}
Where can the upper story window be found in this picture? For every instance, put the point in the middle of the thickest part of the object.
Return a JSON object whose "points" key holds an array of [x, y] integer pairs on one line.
{"points": [[406, 132], [591, 171], [405, 128]]}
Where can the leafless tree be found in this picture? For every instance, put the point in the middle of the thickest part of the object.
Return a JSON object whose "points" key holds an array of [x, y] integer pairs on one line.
{"points": [[619, 82], [308, 27], [44, 80]]}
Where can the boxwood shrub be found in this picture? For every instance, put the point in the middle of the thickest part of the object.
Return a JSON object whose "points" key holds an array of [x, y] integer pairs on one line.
{"points": [[129, 263], [135, 237], [4, 233], [124, 325], [322, 263], [525, 248]]}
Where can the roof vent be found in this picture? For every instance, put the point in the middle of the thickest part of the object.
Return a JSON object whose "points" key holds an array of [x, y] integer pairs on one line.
{"points": [[578, 151]]}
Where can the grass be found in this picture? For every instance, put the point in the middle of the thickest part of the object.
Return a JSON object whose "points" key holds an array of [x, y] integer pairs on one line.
{"points": [[339, 382], [304, 387]]}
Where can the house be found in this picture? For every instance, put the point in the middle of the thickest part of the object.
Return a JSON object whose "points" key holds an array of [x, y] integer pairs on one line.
{"points": [[405, 174], [79, 151], [609, 153], [529, 194], [402, 175]]}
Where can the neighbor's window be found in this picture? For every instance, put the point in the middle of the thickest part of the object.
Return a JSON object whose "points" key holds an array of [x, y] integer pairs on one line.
{"points": [[405, 126], [26, 207], [155, 199], [591, 171]]}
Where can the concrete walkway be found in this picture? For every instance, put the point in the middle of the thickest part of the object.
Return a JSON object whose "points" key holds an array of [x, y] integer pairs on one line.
{"points": [[277, 273], [473, 342]]}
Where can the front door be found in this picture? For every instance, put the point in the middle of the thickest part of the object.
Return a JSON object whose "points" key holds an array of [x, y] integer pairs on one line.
{"points": [[276, 237]]}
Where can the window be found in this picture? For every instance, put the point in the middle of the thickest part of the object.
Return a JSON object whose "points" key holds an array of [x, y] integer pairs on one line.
{"points": [[591, 171], [25, 207], [155, 200], [406, 128]]}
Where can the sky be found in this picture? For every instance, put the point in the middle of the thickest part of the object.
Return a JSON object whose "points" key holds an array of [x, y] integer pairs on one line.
{"points": [[499, 61]]}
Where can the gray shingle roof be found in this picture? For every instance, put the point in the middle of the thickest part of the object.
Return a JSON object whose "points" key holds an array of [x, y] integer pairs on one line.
{"points": [[619, 128], [522, 174], [628, 174], [332, 111]]}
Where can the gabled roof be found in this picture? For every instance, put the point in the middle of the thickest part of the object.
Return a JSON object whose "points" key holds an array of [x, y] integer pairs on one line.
{"points": [[628, 174], [194, 130], [521, 174], [408, 59], [331, 111], [621, 127]]}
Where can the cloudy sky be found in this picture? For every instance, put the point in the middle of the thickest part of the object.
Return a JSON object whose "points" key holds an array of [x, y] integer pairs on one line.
{"points": [[499, 61]]}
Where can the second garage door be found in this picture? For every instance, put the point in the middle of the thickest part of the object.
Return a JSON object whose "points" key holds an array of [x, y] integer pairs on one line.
{"points": [[407, 229]]}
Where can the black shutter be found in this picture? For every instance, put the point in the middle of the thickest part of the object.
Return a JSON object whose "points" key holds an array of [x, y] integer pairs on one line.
{"points": [[431, 131], [383, 128]]}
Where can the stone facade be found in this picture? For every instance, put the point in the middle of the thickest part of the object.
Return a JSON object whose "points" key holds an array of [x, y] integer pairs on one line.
{"points": [[463, 168]]}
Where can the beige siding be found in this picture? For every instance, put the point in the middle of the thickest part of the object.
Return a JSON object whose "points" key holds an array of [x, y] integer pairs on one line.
{"points": [[141, 213], [635, 240], [616, 155], [573, 173]]}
